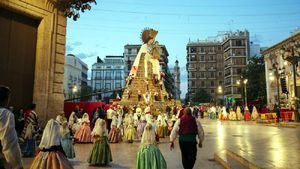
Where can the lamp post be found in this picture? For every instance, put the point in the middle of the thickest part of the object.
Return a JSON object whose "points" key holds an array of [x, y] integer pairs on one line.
{"points": [[245, 87], [245, 81], [291, 53], [220, 91]]}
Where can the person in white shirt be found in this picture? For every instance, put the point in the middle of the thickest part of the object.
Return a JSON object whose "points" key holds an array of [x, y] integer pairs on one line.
{"points": [[10, 155]]}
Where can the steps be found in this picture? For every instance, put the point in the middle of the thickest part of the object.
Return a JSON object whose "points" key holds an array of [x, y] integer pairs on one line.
{"points": [[233, 160]]}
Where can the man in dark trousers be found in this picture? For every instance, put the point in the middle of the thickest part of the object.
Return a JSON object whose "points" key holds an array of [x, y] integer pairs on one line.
{"points": [[187, 127]]}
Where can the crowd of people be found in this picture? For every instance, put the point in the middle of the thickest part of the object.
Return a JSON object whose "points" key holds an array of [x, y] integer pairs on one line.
{"points": [[106, 125], [233, 113]]}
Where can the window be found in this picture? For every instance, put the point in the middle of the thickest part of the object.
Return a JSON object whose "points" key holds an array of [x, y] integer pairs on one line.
{"points": [[129, 51], [202, 74], [193, 58], [107, 86], [108, 75], [193, 75], [238, 71], [193, 50], [212, 83], [211, 58], [193, 83], [97, 86], [212, 91], [220, 73], [98, 75], [212, 74], [202, 84], [117, 85], [118, 75], [202, 49], [220, 82], [202, 58]]}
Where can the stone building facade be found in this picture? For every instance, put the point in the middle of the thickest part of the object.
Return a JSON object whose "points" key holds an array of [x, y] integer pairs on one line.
{"points": [[48, 54], [205, 66], [278, 69], [75, 76], [108, 74], [216, 65]]}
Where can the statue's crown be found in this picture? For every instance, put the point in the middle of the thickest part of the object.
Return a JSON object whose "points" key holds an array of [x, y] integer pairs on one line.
{"points": [[147, 34]]}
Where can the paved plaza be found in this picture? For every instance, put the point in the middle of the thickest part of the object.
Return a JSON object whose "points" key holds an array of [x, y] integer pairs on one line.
{"points": [[269, 147]]}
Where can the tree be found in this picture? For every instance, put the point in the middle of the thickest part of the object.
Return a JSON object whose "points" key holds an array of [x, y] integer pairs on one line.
{"points": [[255, 73], [85, 93], [201, 96]]}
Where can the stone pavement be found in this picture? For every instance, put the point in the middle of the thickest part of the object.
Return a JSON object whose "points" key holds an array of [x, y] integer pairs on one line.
{"points": [[271, 147]]}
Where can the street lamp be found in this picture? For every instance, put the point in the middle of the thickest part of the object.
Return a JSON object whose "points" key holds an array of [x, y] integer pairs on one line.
{"points": [[245, 87], [74, 90], [291, 53], [245, 81]]}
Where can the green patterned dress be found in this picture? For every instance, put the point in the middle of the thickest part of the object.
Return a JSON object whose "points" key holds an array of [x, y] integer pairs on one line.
{"points": [[100, 155], [150, 157]]}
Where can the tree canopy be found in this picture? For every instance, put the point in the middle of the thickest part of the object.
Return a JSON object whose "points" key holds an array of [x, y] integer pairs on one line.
{"points": [[255, 73], [201, 96]]}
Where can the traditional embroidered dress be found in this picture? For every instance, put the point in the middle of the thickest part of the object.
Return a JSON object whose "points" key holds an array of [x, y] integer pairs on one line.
{"points": [[239, 114], [66, 141], [254, 115], [10, 150], [52, 154], [149, 155], [247, 115], [224, 115], [232, 114], [141, 125], [100, 154], [129, 131], [83, 135], [115, 132]]}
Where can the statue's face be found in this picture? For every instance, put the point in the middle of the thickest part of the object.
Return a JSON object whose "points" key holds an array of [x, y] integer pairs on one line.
{"points": [[151, 41]]}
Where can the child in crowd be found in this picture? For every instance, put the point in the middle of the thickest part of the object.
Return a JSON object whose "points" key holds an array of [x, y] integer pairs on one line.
{"points": [[100, 154], [149, 155], [66, 140], [51, 154], [28, 148]]}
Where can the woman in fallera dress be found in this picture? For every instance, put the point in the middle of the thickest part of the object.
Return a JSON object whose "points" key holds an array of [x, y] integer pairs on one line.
{"points": [[100, 154], [73, 125], [83, 135], [149, 155], [66, 140], [51, 154], [115, 132]]}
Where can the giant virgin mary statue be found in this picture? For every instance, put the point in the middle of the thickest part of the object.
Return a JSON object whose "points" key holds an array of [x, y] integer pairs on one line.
{"points": [[150, 50]]}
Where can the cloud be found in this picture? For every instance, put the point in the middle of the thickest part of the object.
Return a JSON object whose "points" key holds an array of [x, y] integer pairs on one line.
{"points": [[76, 43], [85, 55]]}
